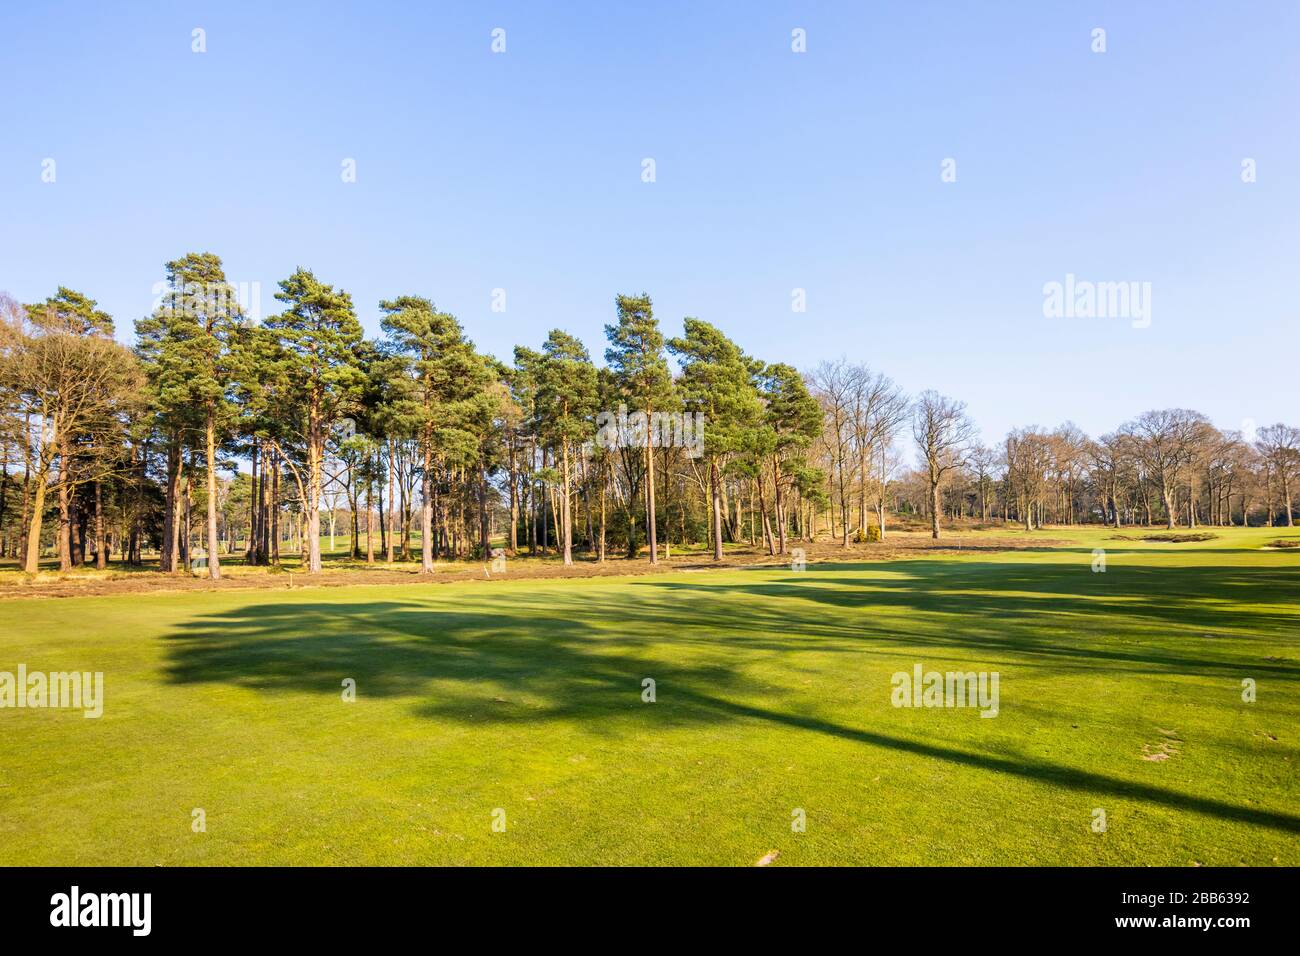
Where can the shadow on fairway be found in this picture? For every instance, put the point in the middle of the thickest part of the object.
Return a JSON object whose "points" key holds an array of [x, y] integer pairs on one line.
{"points": [[525, 665], [1051, 612], [559, 652]]}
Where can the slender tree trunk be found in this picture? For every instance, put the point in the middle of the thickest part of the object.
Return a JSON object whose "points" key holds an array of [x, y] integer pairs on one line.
{"points": [[545, 496], [566, 516], [370, 511], [667, 504], [187, 516], [264, 507], [650, 493], [585, 478], [844, 506], [315, 448], [169, 551], [762, 508], [715, 494], [101, 551], [934, 507], [75, 523], [274, 541], [780, 505], [392, 529], [33, 561], [864, 455], [382, 512], [214, 562], [27, 479], [426, 510], [514, 500], [601, 557], [484, 534], [254, 505]]}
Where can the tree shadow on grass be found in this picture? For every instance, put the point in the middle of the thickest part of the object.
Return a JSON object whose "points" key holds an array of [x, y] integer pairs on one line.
{"points": [[1045, 612], [564, 653], [539, 665]]}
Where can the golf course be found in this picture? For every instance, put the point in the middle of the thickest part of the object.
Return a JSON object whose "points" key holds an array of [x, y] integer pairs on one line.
{"points": [[1149, 711]]}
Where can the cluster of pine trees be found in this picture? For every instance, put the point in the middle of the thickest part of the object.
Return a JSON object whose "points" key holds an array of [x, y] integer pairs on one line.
{"points": [[217, 435], [426, 438]]}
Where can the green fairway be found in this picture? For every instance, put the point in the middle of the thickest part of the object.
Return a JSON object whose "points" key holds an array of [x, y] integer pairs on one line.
{"points": [[1119, 691]]}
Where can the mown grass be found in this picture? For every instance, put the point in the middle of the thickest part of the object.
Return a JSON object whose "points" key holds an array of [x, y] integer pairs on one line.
{"points": [[335, 557], [773, 694]]}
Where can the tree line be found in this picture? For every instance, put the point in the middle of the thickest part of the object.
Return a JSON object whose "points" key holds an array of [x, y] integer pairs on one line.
{"points": [[216, 435]]}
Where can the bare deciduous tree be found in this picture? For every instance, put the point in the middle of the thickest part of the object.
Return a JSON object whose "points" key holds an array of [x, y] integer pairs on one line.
{"points": [[71, 385], [943, 436], [1164, 441], [1279, 445]]}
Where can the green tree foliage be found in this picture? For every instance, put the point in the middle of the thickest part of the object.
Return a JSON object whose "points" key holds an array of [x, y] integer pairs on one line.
{"points": [[443, 399], [793, 419], [566, 405], [75, 389], [716, 381], [636, 357], [417, 435], [319, 336], [187, 345]]}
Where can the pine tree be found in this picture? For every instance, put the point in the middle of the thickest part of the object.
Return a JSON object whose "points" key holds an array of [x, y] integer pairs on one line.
{"points": [[716, 381], [636, 356], [566, 400], [191, 335], [444, 400], [795, 421], [319, 335]]}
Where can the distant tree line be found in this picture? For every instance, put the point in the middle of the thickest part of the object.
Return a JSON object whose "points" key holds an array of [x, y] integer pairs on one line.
{"points": [[218, 435]]}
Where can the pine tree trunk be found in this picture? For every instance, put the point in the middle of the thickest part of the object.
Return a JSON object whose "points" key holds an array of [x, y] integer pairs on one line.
{"points": [[762, 508], [650, 494], [370, 510], [780, 506], [254, 505], [274, 541], [32, 563], [514, 499], [315, 447], [214, 562], [426, 511], [101, 552], [566, 516], [392, 504], [601, 557], [715, 494]]}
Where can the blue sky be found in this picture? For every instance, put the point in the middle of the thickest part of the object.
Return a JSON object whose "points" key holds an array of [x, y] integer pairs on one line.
{"points": [[774, 171]]}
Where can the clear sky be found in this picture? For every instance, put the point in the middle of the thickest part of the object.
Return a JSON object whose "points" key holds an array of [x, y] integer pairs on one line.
{"points": [[775, 170]]}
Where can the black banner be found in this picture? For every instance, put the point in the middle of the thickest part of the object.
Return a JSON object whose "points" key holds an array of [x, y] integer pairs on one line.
{"points": [[1219, 906]]}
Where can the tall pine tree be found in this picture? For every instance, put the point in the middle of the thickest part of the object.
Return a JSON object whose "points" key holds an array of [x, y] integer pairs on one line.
{"points": [[319, 335], [566, 400], [636, 356]]}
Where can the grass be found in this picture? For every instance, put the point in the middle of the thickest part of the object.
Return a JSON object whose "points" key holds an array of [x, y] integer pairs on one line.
{"points": [[773, 693], [336, 558]]}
